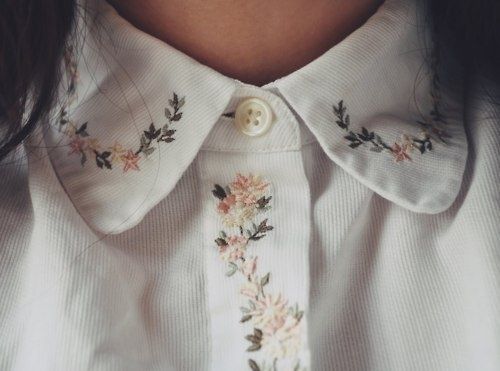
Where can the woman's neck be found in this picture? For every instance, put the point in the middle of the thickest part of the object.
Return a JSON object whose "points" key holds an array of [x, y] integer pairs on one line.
{"points": [[255, 41]]}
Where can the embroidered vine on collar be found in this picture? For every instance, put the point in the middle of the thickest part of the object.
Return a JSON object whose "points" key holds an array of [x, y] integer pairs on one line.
{"points": [[81, 143], [432, 127], [401, 148], [276, 326]]}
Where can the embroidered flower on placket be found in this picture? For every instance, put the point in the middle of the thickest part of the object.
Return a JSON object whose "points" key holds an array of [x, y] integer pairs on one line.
{"points": [[277, 330]]}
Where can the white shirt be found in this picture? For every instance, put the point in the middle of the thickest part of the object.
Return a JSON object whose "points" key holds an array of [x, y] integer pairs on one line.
{"points": [[142, 229]]}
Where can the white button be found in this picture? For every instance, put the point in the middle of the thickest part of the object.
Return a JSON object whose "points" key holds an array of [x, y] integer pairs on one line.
{"points": [[253, 117]]}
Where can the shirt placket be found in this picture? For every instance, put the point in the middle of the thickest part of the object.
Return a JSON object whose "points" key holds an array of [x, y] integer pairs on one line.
{"points": [[256, 210]]}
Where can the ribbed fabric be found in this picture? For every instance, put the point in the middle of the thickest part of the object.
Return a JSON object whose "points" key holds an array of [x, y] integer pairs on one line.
{"points": [[115, 269]]}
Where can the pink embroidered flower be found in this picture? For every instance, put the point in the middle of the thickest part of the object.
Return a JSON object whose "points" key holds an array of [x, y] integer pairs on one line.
{"points": [[248, 189], [250, 289], [77, 145], [270, 313], [285, 342], [238, 214], [225, 205], [70, 129], [93, 144], [249, 266], [130, 161], [400, 152], [235, 248], [117, 151]]}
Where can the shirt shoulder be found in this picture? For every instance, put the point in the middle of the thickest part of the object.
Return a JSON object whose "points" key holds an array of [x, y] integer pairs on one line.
{"points": [[480, 195], [16, 234], [16, 211], [482, 122]]}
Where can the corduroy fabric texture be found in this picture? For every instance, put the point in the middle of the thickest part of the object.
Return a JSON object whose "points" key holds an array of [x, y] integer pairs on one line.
{"points": [[218, 251]]}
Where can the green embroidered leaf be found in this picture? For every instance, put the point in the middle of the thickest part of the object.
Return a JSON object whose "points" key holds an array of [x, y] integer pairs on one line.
{"points": [[343, 120], [220, 242], [366, 135], [253, 365], [262, 202], [148, 151], [342, 125], [245, 318], [233, 268], [181, 102], [256, 238], [376, 149], [258, 333], [168, 114], [351, 137], [101, 159], [339, 109], [254, 339], [265, 280], [168, 133], [152, 133], [253, 347], [175, 100], [177, 116], [166, 139], [219, 192], [263, 225], [299, 315], [82, 130]]}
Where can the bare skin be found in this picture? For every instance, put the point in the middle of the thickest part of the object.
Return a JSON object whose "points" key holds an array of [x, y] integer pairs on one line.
{"points": [[254, 41]]}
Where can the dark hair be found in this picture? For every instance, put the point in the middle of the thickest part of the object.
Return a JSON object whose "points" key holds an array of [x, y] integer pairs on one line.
{"points": [[33, 36]]}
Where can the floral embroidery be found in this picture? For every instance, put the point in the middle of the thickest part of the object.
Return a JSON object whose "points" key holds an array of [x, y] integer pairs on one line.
{"points": [[431, 127], [277, 329], [401, 148], [83, 145]]}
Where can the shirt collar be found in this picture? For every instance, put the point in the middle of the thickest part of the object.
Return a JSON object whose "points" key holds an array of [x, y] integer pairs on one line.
{"points": [[139, 103]]}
